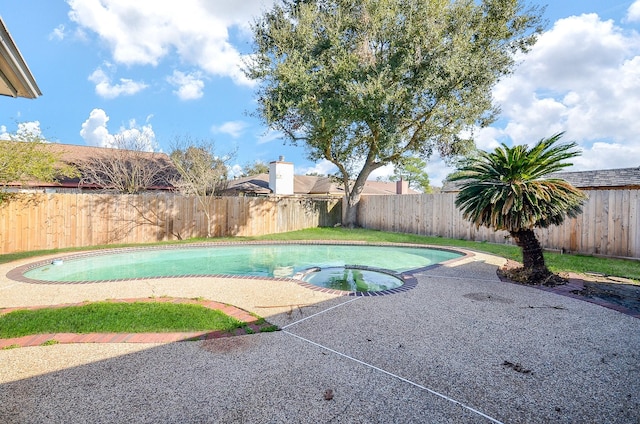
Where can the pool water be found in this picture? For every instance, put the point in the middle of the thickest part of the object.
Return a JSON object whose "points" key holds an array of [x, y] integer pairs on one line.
{"points": [[264, 260], [352, 279]]}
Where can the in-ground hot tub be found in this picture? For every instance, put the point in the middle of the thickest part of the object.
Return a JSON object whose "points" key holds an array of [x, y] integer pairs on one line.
{"points": [[352, 278]]}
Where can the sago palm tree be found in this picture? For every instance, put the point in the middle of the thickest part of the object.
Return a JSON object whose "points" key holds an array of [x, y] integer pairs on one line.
{"points": [[510, 189]]}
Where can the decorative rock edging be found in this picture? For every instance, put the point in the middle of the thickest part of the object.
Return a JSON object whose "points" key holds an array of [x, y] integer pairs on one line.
{"points": [[251, 326]]}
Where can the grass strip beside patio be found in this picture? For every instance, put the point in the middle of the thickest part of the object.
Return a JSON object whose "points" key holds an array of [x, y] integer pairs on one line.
{"points": [[115, 317]]}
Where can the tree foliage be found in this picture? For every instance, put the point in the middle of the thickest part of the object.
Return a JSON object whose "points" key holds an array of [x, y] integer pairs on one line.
{"points": [[203, 173], [412, 170], [24, 159], [255, 168], [364, 83], [510, 189]]}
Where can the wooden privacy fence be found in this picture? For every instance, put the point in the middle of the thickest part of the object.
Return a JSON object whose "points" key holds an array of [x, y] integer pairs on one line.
{"points": [[609, 224], [51, 221]]}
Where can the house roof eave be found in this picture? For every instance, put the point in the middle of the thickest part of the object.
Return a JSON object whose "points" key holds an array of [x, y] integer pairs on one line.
{"points": [[16, 80]]}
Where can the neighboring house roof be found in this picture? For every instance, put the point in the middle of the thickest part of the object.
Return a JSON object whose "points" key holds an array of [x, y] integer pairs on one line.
{"points": [[382, 187], [76, 155], [307, 185], [254, 184], [16, 79], [602, 179]]}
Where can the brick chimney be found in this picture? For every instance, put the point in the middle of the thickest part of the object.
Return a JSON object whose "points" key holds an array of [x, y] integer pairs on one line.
{"points": [[402, 187], [281, 177]]}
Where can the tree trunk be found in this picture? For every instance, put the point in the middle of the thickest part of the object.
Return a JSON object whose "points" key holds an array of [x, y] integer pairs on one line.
{"points": [[532, 256], [208, 216], [352, 196], [350, 216]]}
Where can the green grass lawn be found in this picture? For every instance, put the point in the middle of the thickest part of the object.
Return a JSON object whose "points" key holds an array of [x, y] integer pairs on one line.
{"points": [[112, 317]]}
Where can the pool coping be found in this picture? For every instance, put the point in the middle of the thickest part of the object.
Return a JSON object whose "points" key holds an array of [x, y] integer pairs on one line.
{"points": [[410, 281]]}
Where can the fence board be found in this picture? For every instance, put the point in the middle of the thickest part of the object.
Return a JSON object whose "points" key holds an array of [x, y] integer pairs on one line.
{"points": [[609, 224], [77, 220], [634, 222]]}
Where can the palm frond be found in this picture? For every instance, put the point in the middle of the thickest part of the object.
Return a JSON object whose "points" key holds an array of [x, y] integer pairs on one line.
{"points": [[508, 189]]}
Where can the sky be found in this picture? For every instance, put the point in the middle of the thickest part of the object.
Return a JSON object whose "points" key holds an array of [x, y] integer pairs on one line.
{"points": [[165, 70]]}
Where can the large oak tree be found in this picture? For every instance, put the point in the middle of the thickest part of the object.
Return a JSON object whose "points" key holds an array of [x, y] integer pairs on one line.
{"points": [[364, 83]]}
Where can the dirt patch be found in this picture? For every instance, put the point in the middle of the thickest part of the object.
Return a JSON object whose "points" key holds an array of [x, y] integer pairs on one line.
{"points": [[627, 295], [515, 272], [612, 290]]}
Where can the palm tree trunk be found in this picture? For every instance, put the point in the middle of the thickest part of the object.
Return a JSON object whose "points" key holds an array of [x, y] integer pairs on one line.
{"points": [[532, 257]]}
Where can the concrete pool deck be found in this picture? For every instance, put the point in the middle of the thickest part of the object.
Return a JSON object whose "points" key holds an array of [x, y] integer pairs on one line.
{"points": [[461, 346]]}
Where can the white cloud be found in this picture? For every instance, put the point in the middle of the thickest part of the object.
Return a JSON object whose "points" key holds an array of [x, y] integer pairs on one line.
{"points": [[616, 155], [485, 138], [105, 89], [232, 128], [582, 77], [140, 137], [236, 170], [633, 13], [270, 136], [29, 130], [94, 130], [229, 12], [146, 31], [382, 173], [95, 133], [58, 33], [26, 131], [575, 50], [323, 167], [437, 170], [189, 86], [536, 120]]}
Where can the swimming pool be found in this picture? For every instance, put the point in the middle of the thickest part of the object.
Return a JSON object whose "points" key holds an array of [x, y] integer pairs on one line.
{"points": [[259, 260]]}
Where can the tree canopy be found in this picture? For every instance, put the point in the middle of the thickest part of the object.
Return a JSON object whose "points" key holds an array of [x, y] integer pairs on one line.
{"points": [[412, 170], [24, 159], [255, 168], [509, 188], [364, 83]]}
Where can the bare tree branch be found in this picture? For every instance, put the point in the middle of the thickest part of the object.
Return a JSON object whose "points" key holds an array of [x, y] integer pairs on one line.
{"points": [[127, 168], [202, 173]]}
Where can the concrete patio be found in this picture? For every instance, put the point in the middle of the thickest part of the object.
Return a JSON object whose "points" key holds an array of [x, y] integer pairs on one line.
{"points": [[462, 346]]}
